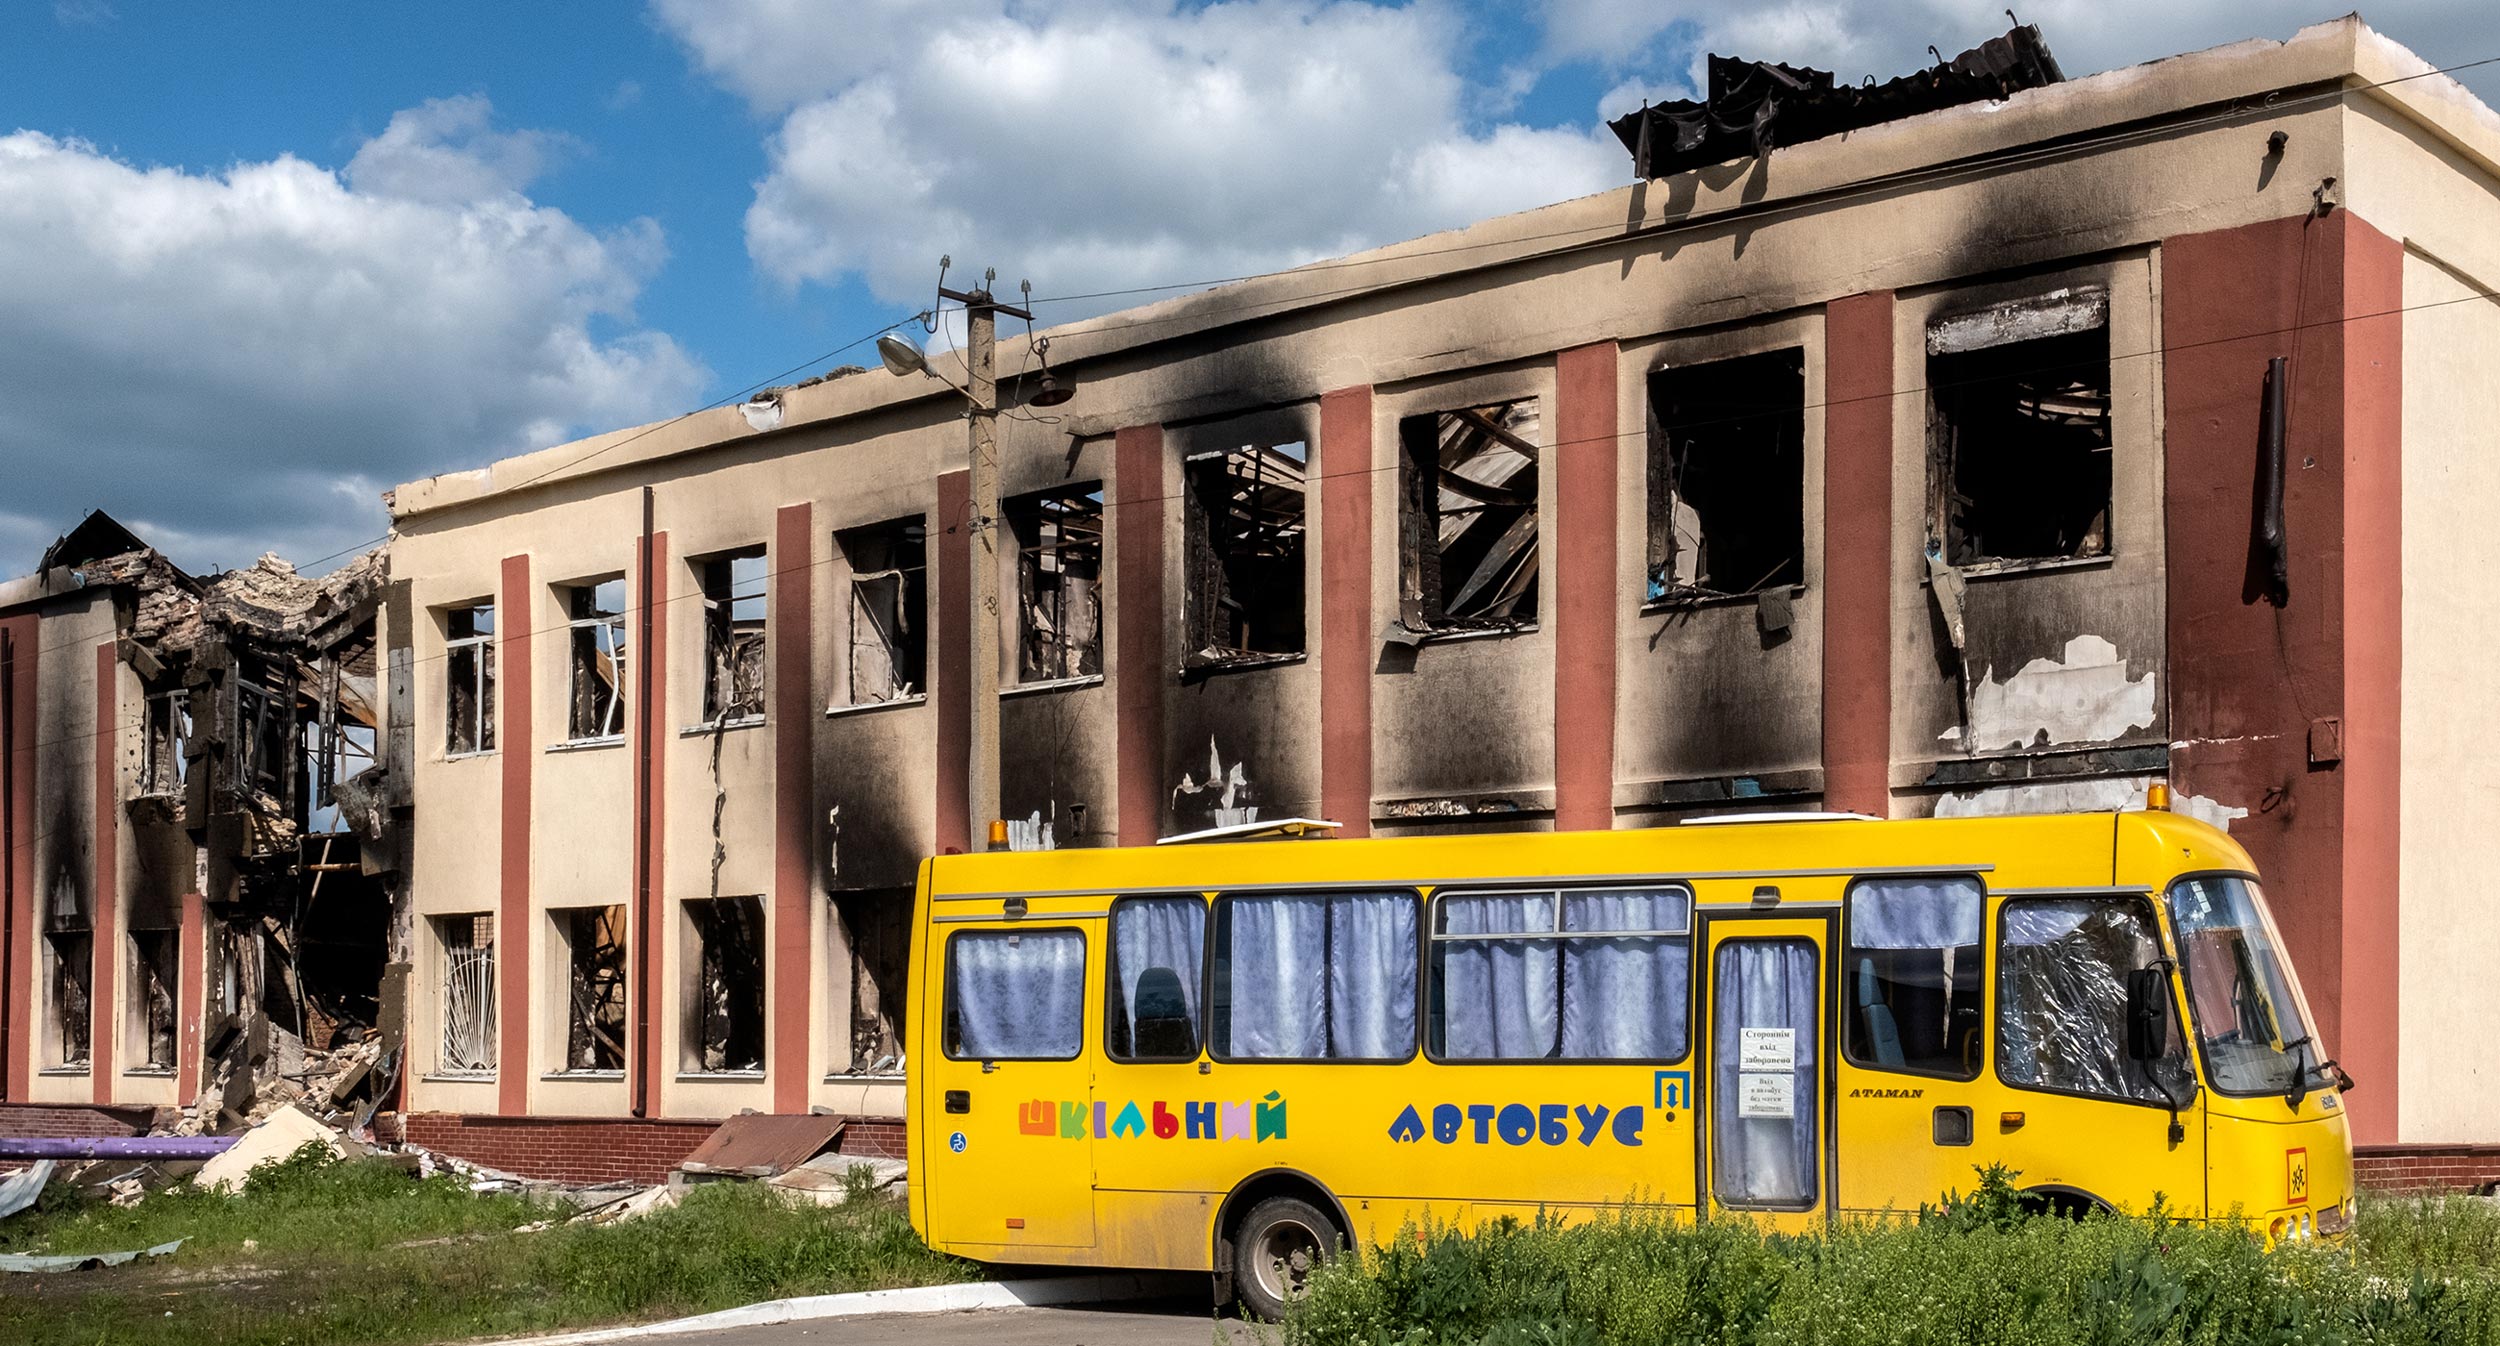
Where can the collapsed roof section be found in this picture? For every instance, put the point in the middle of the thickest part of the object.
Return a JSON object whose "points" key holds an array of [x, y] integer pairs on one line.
{"points": [[1755, 107]]}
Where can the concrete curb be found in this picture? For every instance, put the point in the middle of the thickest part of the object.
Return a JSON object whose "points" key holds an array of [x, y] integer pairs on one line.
{"points": [[865, 1303]]}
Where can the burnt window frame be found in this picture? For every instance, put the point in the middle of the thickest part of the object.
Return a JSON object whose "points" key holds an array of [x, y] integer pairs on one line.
{"points": [[720, 593], [1041, 661], [608, 634], [1214, 566], [268, 738], [69, 960], [696, 961], [157, 1049], [1424, 608], [1969, 351], [165, 741], [568, 922], [462, 634], [1662, 480], [906, 543]]}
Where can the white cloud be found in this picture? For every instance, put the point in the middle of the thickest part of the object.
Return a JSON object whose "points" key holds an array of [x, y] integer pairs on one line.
{"points": [[1884, 38], [243, 359], [1109, 143]]}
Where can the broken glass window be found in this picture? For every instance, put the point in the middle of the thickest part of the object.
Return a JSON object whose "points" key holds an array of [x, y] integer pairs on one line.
{"points": [[733, 635], [153, 960], [598, 682], [73, 985], [725, 1015], [1059, 582], [1468, 517], [594, 939], [1243, 527], [1727, 476], [2018, 430], [164, 768], [2062, 966], [469, 657], [889, 609]]}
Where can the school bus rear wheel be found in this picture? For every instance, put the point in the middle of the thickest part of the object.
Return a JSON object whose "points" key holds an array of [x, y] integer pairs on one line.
{"points": [[1281, 1242]]}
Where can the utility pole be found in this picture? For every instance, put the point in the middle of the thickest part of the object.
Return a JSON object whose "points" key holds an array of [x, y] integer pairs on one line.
{"points": [[981, 311]]}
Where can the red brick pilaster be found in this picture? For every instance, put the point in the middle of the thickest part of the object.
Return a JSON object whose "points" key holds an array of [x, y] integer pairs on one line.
{"points": [[1346, 638], [1139, 621], [1585, 455], [1859, 388], [516, 743], [794, 806]]}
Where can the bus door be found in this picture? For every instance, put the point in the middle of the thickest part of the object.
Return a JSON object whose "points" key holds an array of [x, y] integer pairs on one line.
{"points": [[1912, 984], [1766, 1058], [1010, 1147], [2098, 1099]]}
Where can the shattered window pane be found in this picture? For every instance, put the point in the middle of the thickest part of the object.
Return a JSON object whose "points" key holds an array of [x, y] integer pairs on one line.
{"points": [[889, 609], [468, 944], [2018, 431], [154, 968], [595, 1015], [469, 658], [1468, 517], [733, 635], [598, 664], [725, 1012], [1059, 582], [73, 983], [1727, 476], [2062, 966], [1244, 532], [165, 767]]}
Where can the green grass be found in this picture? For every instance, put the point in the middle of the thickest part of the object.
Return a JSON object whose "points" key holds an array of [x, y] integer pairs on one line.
{"points": [[360, 1252], [1980, 1273]]}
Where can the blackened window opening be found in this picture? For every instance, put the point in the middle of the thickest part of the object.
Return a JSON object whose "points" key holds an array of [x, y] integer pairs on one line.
{"points": [[73, 985], [165, 767], [1244, 526], [153, 961], [725, 1028], [1468, 517], [597, 702], [2020, 449], [889, 564], [877, 928], [594, 1036], [733, 635], [1059, 582], [469, 662], [265, 726], [1727, 476]]}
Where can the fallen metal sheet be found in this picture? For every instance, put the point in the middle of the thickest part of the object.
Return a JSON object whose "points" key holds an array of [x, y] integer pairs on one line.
{"points": [[760, 1144], [114, 1147], [19, 1190], [80, 1261]]}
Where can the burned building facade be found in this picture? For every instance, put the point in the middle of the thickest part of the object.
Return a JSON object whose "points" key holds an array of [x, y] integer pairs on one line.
{"points": [[2009, 456]]}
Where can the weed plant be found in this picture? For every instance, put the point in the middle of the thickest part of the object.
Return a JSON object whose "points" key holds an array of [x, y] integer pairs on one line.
{"points": [[316, 1250], [1983, 1270]]}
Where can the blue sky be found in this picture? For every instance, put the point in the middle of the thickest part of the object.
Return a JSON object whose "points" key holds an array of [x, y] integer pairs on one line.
{"points": [[260, 262]]}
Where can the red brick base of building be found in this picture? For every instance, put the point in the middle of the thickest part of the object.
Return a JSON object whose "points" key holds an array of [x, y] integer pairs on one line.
{"points": [[74, 1121], [2399, 1170], [603, 1149]]}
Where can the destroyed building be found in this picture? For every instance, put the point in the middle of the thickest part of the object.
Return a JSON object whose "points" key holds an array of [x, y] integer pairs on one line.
{"points": [[1983, 441]]}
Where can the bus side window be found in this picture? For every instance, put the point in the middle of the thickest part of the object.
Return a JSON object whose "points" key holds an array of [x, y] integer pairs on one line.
{"points": [[2062, 966], [1572, 975], [1912, 975], [1310, 977], [1015, 995], [1157, 944]]}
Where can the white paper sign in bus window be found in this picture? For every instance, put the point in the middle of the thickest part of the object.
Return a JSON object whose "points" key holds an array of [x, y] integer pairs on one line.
{"points": [[1764, 1094], [1767, 1049]]}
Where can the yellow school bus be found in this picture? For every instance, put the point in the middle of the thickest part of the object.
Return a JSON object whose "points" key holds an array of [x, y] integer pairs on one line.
{"points": [[1236, 1057]]}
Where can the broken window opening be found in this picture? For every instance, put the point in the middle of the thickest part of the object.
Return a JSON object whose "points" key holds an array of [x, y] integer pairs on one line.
{"points": [[165, 767], [1244, 533], [342, 738], [1467, 518], [2018, 431], [73, 985], [1727, 476], [265, 727], [733, 635], [597, 613], [725, 1012], [469, 655], [1059, 582], [877, 928], [595, 1008], [468, 944], [154, 958], [889, 609]]}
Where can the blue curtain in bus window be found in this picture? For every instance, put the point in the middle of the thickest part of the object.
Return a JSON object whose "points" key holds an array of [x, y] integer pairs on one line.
{"points": [[1762, 1117], [1155, 944], [1277, 978], [1914, 914], [1371, 976], [1017, 996], [1498, 995], [1625, 998]]}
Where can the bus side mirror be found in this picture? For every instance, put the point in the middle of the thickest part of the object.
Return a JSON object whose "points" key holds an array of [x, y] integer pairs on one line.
{"points": [[2148, 1014]]}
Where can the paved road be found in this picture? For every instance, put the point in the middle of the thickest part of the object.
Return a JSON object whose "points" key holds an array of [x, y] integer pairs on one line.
{"points": [[1172, 1323]]}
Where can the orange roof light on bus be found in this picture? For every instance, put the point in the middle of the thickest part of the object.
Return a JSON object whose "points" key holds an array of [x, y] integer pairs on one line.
{"points": [[998, 834], [2157, 797]]}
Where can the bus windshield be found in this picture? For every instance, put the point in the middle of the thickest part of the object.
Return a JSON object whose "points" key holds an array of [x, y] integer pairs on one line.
{"points": [[2249, 1012]]}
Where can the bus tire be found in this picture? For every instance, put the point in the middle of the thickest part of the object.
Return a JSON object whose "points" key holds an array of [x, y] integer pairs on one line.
{"points": [[1278, 1245]]}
